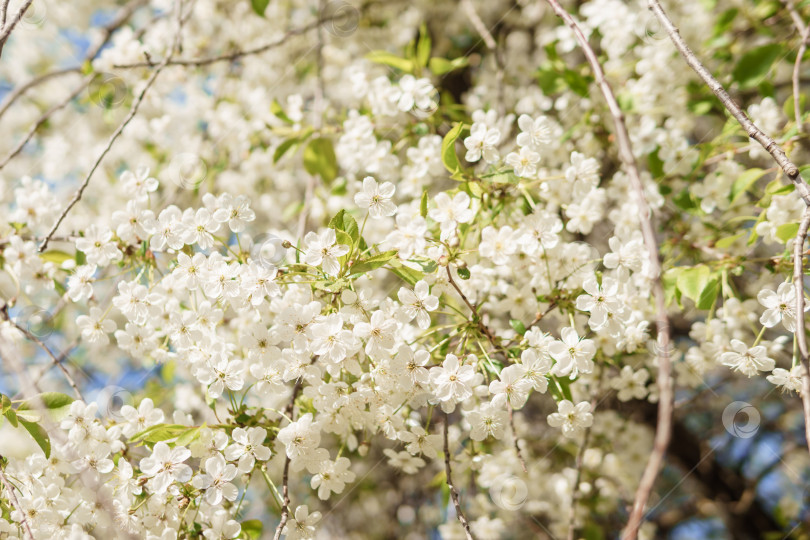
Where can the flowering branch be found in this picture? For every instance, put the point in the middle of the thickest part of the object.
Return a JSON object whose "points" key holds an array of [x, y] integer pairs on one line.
{"points": [[787, 166], [754, 132], [664, 425]]}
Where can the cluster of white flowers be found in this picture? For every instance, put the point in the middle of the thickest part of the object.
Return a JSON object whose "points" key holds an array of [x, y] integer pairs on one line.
{"points": [[369, 272]]}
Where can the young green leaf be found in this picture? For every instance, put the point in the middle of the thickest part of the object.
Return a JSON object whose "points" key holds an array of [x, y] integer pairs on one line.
{"points": [[319, 158], [39, 435]]}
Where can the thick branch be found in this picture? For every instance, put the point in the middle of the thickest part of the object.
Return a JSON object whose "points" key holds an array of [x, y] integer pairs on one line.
{"points": [[664, 426]]}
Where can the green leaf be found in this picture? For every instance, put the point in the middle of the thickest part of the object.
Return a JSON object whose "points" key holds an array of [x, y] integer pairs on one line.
{"points": [[160, 432], [56, 257], [449, 157], [755, 64], [344, 221], [11, 416], [744, 182], [518, 326], [252, 529], [278, 112], [787, 231], [729, 240], [708, 294], [692, 281], [441, 66], [284, 147], [259, 6], [463, 273], [388, 59], [319, 158], [50, 400], [5, 404], [189, 436], [40, 436], [423, 204], [423, 46], [405, 273], [373, 262]]}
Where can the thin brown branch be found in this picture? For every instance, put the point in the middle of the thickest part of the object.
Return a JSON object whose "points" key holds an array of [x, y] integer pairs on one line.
{"points": [[5, 32], [132, 112], [15, 503], [19, 90], [240, 53], [55, 360], [453, 491], [107, 32], [483, 328], [515, 438], [285, 476], [664, 426], [44, 118], [801, 331], [754, 132], [804, 34]]}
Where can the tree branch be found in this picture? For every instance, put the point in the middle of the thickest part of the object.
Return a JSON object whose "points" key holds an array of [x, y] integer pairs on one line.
{"points": [[453, 491], [804, 34], [132, 112], [754, 132], [14, 502], [44, 118], [664, 425], [801, 332], [5, 32]]}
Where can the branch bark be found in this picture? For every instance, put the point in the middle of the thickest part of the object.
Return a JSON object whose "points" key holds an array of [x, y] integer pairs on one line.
{"points": [[754, 132], [453, 491], [664, 379]]}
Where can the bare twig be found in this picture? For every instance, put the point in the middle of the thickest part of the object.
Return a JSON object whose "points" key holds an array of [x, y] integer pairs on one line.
{"points": [[5, 32], [132, 112], [19, 90], [44, 118], [664, 425], [483, 328], [236, 55], [3, 13], [285, 476], [453, 491], [15, 503], [801, 332], [754, 132], [515, 438], [107, 32], [55, 360], [804, 34], [492, 45]]}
